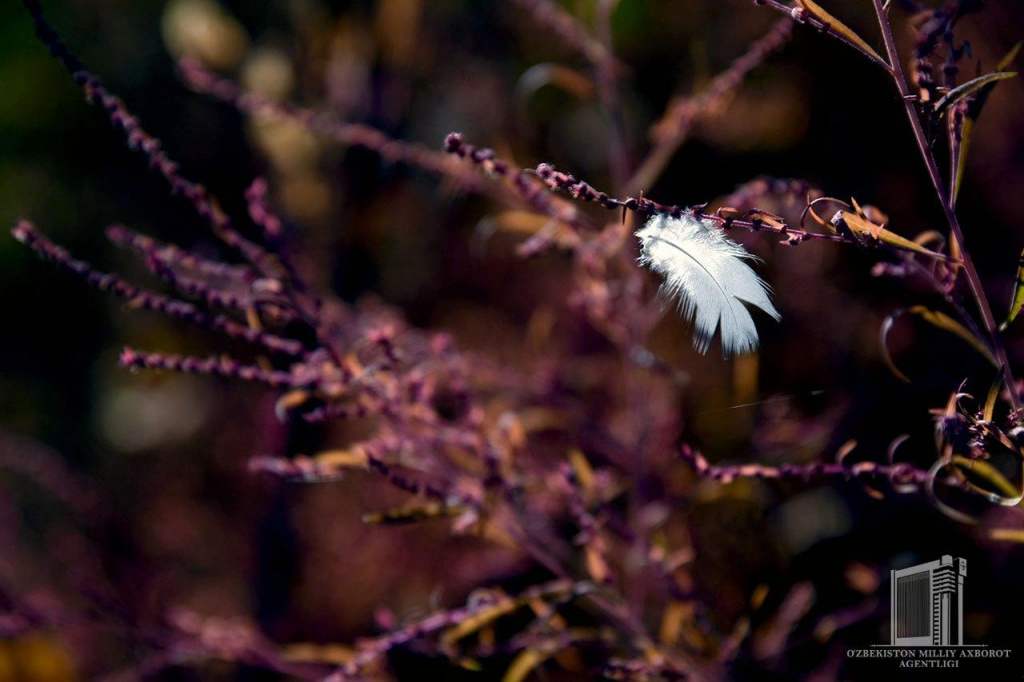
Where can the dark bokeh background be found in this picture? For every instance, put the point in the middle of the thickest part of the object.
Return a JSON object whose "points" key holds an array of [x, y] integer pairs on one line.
{"points": [[182, 523]]}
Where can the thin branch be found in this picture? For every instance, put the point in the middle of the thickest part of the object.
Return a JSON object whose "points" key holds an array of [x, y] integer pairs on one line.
{"points": [[140, 140], [573, 34], [172, 254], [161, 261], [599, 51], [675, 125], [371, 650], [215, 366], [579, 189], [390, 150], [802, 16], [903, 476], [26, 233], [531, 192], [973, 279]]}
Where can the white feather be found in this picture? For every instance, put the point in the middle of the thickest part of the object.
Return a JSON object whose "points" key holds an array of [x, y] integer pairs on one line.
{"points": [[706, 271]]}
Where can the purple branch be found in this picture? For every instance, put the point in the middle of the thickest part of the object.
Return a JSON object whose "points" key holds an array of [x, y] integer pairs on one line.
{"points": [[215, 366], [160, 262], [258, 200], [530, 191], [416, 487], [573, 33], [675, 125], [350, 134], [174, 256], [903, 476], [749, 194], [579, 189], [599, 52], [26, 233], [372, 650], [206, 206], [640, 669], [257, 196]]}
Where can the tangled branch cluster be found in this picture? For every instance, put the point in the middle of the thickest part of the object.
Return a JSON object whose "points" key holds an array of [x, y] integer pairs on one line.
{"points": [[579, 512]]}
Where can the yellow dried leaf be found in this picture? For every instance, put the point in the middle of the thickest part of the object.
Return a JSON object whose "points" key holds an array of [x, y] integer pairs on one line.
{"points": [[525, 663], [967, 129], [334, 654], [1007, 534], [289, 401], [37, 657], [584, 472], [502, 607], [821, 221], [412, 514], [947, 323], [989, 473], [676, 613], [543, 419], [758, 596], [519, 222], [767, 218], [863, 227], [1018, 295], [990, 401], [597, 567], [1009, 57], [937, 319], [493, 533], [819, 13], [342, 459], [971, 86], [845, 449], [929, 236]]}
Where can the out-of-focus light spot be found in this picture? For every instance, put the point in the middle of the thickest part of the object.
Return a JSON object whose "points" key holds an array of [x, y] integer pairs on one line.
{"points": [[812, 517], [268, 71], [397, 31], [139, 417], [204, 30], [35, 657], [306, 196], [348, 71], [288, 146]]}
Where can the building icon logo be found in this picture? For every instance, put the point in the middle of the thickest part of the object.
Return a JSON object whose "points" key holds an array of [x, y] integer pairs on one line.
{"points": [[926, 632], [927, 603]]}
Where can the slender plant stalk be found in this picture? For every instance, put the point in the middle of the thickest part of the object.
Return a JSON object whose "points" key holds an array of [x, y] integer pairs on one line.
{"points": [[973, 280], [678, 120], [606, 75], [804, 17]]}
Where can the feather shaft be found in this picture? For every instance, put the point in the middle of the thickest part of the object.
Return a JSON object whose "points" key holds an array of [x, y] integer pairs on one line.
{"points": [[707, 273]]}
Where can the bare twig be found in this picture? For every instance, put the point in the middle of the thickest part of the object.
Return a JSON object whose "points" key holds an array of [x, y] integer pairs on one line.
{"points": [[675, 125]]}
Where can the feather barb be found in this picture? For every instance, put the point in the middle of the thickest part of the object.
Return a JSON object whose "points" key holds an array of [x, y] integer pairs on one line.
{"points": [[707, 273]]}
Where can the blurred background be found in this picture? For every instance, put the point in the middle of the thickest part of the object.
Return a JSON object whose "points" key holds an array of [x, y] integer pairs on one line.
{"points": [[142, 478]]}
